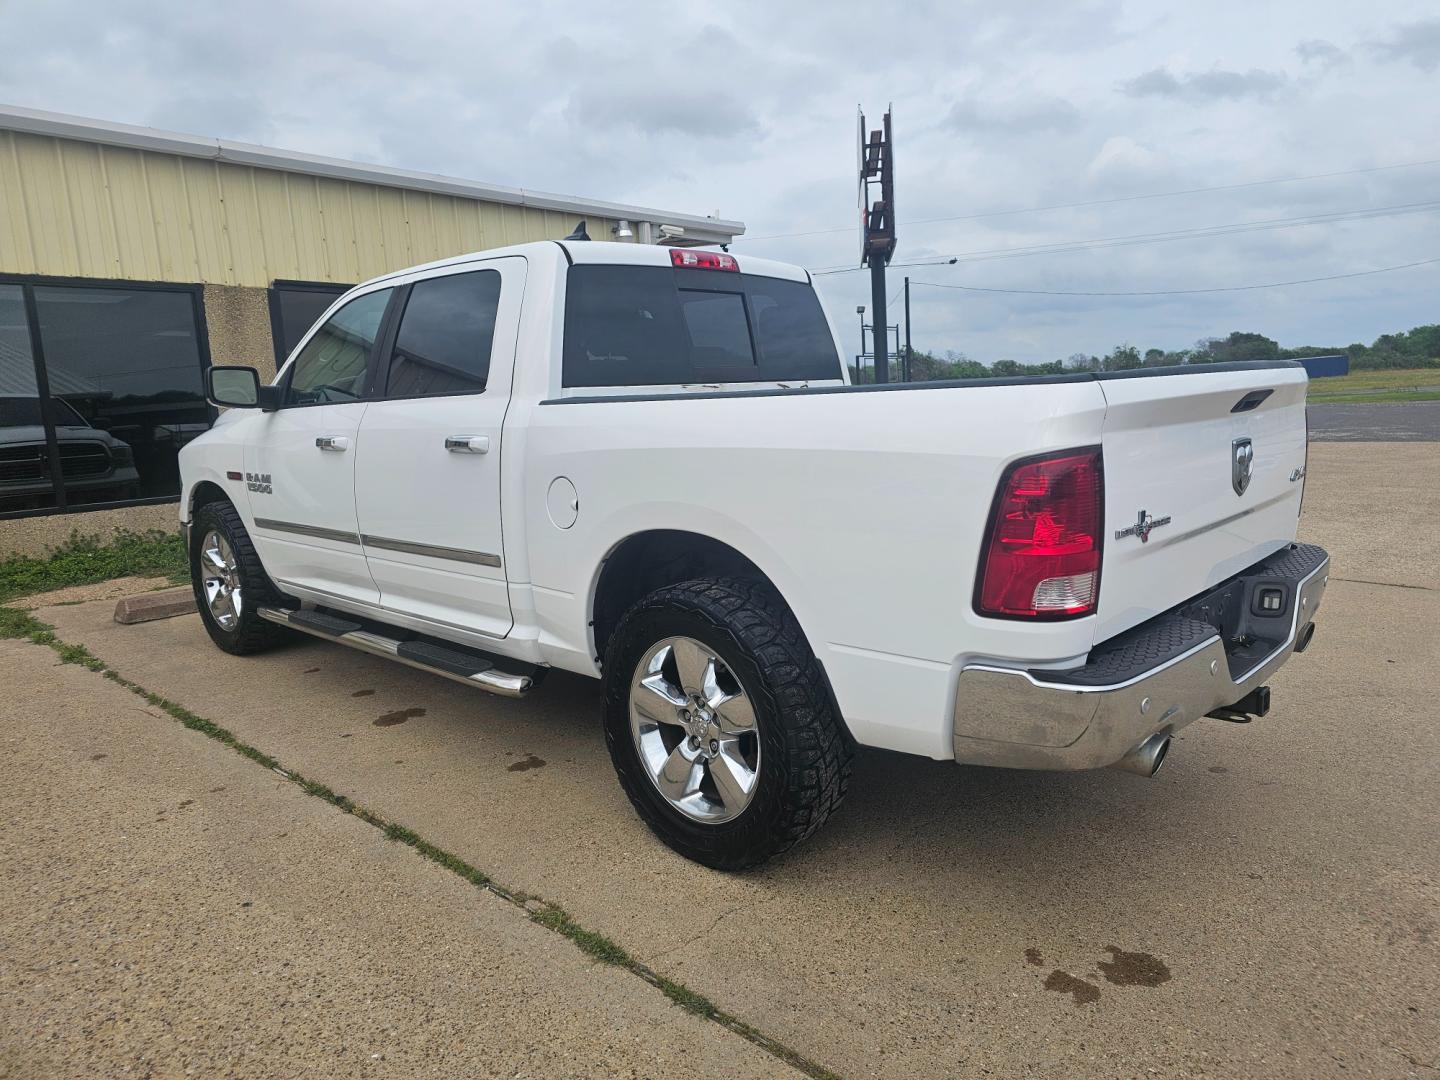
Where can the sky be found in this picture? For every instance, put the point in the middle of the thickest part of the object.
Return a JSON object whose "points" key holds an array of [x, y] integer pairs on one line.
{"points": [[748, 109]]}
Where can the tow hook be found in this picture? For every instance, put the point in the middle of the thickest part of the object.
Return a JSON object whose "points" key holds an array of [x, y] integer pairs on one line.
{"points": [[1252, 705]]}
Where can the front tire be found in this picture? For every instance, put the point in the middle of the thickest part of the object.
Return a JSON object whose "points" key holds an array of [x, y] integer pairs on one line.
{"points": [[720, 724], [230, 583]]}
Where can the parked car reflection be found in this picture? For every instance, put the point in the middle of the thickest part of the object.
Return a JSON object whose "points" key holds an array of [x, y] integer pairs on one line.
{"points": [[94, 464]]}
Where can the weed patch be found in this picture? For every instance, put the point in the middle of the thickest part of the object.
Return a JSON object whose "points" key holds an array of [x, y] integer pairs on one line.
{"points": [[84, 560]]}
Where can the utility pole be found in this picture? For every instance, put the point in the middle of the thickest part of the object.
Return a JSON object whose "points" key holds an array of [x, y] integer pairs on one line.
{"points": [[877, 170], [908, 353], [860, 357]]}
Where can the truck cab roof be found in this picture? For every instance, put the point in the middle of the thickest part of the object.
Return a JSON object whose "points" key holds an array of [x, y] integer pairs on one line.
{"points": [[589, 252]]}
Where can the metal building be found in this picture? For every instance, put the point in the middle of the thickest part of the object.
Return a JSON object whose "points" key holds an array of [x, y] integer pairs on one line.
{"points": [[129, 257]]}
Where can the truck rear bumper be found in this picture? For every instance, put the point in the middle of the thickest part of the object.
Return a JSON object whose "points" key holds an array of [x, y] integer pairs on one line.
{"points": [[1149, 682]]}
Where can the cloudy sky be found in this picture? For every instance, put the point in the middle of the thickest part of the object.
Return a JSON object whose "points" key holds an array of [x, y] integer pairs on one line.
{"points": [[748, 108]]}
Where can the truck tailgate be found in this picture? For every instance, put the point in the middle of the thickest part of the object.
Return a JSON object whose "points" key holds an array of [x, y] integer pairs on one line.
{"points": [[1180, 514]]}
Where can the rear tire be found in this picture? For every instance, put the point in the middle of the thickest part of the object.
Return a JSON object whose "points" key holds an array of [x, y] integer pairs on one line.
{"points": [[720, 723], [230, 583]]}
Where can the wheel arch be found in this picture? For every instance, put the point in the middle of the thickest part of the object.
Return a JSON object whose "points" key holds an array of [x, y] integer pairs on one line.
{"points": [[653, 558], [202, 494]]}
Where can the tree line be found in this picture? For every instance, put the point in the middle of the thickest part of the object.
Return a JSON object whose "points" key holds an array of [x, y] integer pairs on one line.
{"points": [[1417, 348]]}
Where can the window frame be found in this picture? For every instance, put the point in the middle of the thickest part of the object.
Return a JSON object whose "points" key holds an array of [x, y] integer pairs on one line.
{"points": [[28, 284], [391, 334]]}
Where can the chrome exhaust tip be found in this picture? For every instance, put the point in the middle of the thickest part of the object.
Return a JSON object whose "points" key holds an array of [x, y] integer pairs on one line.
{"points": [[1146, 758]]}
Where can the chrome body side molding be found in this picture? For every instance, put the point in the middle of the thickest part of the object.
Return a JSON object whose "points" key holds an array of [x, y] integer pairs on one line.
{"points": [[298, 529], [433, 551]]}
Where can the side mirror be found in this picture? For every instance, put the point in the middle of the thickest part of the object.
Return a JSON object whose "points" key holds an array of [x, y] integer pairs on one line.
{"points": [[239, 388]]}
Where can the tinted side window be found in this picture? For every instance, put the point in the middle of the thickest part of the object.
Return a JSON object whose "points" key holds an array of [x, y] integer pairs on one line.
{"points": [[443, 346], [331, 367], [791, 333], [623, 328]]}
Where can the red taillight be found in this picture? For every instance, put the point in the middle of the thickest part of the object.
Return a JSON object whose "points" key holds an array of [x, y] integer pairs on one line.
{"points": [[703, 260], [1042, 554]]}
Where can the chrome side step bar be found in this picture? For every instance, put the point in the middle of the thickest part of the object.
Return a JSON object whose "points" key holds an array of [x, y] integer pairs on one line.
{"points": [[453, 662]]}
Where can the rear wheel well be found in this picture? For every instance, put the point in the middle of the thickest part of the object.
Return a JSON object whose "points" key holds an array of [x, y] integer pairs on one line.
{"points": [[652, 560]]}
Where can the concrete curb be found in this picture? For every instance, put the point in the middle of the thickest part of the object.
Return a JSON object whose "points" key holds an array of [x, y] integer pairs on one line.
{"points": [[147, 607]]}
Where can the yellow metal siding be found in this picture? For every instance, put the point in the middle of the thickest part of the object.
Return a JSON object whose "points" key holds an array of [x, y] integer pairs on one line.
{"points": [[79, 209]]}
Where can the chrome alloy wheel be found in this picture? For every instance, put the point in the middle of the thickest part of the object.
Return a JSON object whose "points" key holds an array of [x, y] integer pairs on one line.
{"points": [[695, 731], [220, 578]]}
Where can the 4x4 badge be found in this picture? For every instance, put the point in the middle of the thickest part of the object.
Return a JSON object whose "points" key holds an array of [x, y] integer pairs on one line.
{"points": [[1144, 524]]}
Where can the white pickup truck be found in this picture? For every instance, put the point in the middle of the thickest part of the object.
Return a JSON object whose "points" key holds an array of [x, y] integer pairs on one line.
{"points": [[646, 465]]}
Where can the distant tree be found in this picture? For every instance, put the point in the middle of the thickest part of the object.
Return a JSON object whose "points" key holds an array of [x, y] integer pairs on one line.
{"points": [[1122, 358], [1245, 346], [1082, 362]]}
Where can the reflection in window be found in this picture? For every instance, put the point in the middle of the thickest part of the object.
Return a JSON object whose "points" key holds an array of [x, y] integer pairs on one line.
{"points": [[123, 367], [331, 367], [296, 307], [443, 346], [24, 467]]}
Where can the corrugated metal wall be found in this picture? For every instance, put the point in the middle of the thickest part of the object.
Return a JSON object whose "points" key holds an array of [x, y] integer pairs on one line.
{"points": [[78, 209]]}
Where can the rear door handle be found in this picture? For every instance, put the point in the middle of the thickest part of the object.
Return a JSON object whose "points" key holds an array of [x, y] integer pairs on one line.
{"points": [[467, 444], [332, 442]]}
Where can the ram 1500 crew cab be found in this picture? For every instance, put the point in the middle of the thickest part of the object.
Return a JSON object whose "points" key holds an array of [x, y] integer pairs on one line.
{"points": [[646, 465]]}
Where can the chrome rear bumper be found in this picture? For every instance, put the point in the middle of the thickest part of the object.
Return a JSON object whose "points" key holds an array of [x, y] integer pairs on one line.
{"points": [[1091, 717]]}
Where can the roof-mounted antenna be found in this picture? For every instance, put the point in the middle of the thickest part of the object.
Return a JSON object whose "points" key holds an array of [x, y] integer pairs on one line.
{"points": [[579, 233]]}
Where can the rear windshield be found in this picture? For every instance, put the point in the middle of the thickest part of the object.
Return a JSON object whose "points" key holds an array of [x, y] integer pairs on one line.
{"points": [[653, 325]]}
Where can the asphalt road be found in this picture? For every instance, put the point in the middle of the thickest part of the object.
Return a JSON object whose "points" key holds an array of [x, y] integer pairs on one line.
{"points": [[1401, 421], [1269, 905]]}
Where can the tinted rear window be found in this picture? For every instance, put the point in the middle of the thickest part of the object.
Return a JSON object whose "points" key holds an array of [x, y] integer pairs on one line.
{"points": [[652, 325]]}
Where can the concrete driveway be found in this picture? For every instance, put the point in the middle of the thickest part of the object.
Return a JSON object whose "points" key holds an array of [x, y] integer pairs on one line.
{"points": [[1269, 905]]}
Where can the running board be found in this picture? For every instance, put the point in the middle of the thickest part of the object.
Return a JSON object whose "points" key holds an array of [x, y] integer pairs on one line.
{"points": [[452, 661]]}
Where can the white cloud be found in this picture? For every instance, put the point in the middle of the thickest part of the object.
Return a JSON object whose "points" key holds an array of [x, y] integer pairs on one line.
{"points": [[749, 108]]}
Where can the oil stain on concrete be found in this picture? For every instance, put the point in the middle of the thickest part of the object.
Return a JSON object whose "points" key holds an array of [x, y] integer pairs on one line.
{"points": [[1133, 968], [1032, 956], [1062, 982], [525, 764], [399, 716], [362, 693]]}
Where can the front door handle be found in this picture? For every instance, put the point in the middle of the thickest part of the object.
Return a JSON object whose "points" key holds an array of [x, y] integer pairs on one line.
{"points": [[467, 444], [332, 442]]}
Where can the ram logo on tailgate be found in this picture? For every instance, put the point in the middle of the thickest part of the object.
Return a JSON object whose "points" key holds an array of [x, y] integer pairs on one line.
{"points": [[1242, 462]]}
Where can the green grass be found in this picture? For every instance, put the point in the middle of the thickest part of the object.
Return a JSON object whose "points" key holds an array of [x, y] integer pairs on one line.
{"points": [[83, 560], [21, 624], [1384, 396], [1402, 384]]}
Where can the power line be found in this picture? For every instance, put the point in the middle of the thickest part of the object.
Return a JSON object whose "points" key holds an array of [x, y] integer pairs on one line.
{"points": [[1134, 239], [1109, 201], [1183, 292]]}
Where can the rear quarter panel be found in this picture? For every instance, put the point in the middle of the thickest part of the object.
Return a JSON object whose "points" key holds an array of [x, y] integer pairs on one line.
{"points": [[865, 509]]}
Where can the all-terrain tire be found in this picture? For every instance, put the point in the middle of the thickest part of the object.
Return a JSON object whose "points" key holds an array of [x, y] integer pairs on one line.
{"points": [[806, 750], [250, 634]]}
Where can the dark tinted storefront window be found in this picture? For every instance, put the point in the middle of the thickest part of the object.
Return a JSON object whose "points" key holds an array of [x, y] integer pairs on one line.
{"points": [[294, 308], [24, 458], [124, 372]]}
